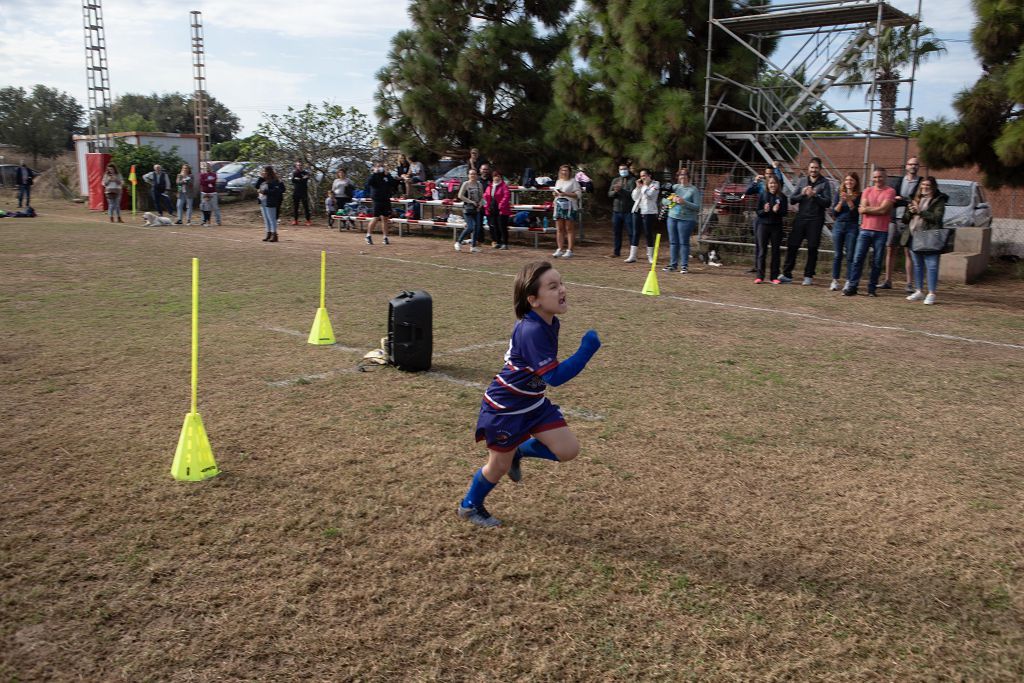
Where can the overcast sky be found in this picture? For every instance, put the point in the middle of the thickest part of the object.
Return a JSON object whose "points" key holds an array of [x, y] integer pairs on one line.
{"points": [[263, 57]]}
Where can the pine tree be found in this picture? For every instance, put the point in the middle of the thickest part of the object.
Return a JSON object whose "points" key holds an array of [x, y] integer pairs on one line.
{"points": [[990, 129], [632, 86], [472, 73]]}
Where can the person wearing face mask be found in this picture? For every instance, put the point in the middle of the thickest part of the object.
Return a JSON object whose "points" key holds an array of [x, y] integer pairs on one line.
{"points": [[382, 186], [620, 190], [498, 200], [645, 214]]}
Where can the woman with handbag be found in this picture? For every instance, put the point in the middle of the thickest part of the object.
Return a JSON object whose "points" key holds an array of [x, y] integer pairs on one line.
{"points": [[471, 195], [568, 193], [113, 185], [927, 238]]}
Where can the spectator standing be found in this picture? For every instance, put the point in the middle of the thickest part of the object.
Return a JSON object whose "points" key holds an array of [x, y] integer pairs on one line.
{"points": [[159, 185], [846, 228], [645, 214], [342, 188], [875, 215], [186, 188], [813, 196], [682, 218], [382, 186], [925, 212], [756, 188], [23, 178], [772, 206], [567, 210], [906, 188], [271, 194], [208, 194], [475, 161], [113, 186], [300, 192], [498, 200], [471, 194], [330, 207], [620, 190]]}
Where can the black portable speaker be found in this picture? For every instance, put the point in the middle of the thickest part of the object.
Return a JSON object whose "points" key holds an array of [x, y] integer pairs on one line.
{"points": [[410, 336]]}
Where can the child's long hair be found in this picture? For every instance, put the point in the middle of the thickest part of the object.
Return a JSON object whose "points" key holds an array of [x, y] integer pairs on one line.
{"points": [[527, 284]]}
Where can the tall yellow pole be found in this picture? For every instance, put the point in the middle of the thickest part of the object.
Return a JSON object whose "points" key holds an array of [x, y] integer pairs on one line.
{"points": [[323, 278], [195, 332], [321, 332]]}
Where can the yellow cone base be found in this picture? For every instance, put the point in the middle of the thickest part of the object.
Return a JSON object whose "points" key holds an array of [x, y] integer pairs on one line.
{"points": [[193, 459], [321, 334], [651, 286]]}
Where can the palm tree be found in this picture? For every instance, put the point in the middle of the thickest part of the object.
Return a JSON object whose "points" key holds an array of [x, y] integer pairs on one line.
{"points": [[896, 52]]}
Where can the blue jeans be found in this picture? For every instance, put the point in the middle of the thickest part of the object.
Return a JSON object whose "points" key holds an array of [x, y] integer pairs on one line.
{"points": [[622, 221], [185, 201], [844, 240], [473, 227], [24, 191], [679, 231], [923, 262], [645, 222], [874, 240], [269, 217]]}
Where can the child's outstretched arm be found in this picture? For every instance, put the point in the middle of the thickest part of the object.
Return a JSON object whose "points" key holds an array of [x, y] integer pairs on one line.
{"points": [[574, 364]]}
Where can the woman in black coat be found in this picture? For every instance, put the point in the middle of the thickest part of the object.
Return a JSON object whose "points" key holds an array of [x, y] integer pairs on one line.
{"points": [[271, 193]]}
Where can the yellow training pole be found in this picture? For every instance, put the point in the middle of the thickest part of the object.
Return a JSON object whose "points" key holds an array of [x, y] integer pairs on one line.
{"points": [[193, 459], [195, 333], [323, 278], [651, 285], [321, 333]]}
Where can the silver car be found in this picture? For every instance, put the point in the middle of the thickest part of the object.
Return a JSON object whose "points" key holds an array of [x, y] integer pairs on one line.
{"points": [[966, 206]]}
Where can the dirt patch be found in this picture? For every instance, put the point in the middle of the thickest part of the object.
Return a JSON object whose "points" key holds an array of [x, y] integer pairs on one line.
{"points": [[777, 483]]}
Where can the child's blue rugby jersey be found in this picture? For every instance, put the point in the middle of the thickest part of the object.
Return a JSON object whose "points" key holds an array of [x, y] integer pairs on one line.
{"points": [[532, 352]]}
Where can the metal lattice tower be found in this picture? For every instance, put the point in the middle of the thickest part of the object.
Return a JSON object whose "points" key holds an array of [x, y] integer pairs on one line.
{"points": [[97, 75], [830, 37], [199, 108]]}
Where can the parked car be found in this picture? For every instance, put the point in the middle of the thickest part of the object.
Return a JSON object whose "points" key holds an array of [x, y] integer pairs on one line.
{"points": [[217, 165], [241, 184], [966, 206], [232, 171], [459, 173]]}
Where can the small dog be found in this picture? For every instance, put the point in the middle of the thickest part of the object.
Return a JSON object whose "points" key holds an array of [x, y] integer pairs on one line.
{"points": [[151, 219]]}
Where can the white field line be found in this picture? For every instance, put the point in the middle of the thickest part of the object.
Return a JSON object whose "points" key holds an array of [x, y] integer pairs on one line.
{"points": [[202, 233]]}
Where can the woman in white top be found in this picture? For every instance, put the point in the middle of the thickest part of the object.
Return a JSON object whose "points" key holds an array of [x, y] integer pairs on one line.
{"points": [[343, 189], [113, 184], [645, 213], [567, 211]]}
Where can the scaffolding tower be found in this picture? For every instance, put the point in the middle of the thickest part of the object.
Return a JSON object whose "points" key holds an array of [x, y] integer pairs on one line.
{"points": [[199, 103], [835, 35], [97, 75]]}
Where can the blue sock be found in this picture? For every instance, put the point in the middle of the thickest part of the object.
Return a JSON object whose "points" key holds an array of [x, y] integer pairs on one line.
{"points": [[478, 490], [531, 448]]}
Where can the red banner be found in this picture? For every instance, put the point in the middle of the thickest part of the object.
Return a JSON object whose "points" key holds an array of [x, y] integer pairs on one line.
{"points": [[95, 167]]}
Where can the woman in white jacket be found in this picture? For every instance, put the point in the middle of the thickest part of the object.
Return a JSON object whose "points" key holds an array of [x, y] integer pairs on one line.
{"points": [[645, 213]]}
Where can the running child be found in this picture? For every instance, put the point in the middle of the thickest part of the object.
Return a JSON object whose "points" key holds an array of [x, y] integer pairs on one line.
{"points": [[516, 420]]}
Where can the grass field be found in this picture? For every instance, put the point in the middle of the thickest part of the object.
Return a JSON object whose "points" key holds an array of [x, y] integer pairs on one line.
{"points": [[776, 483]]}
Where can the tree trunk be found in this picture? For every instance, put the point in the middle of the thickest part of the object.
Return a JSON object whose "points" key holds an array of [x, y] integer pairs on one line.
{"points": [[887, 107]]}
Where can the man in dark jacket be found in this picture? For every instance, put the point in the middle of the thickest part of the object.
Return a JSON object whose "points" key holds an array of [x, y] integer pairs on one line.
{"points": [[300, 192], [382, 186], [621, 192], [23, 178], [159, 186], [812, 198], [906, 188]]}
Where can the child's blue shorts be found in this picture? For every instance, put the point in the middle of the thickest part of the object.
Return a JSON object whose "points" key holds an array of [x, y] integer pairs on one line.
{"points": [[504, 432]]}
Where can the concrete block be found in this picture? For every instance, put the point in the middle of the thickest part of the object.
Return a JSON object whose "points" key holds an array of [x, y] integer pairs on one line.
{"points": [[961, 268], [973, 240]]}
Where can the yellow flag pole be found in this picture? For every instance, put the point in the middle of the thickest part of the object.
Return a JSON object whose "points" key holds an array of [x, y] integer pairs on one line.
{"points": [[321, 334], [193, 458], [651, 285], [195, 333]]}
